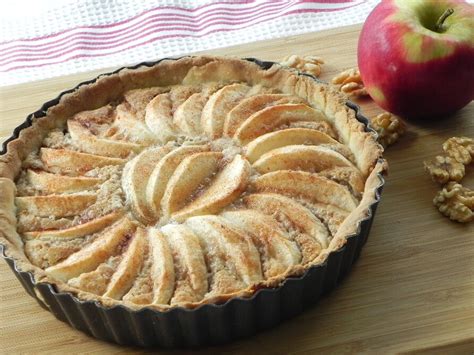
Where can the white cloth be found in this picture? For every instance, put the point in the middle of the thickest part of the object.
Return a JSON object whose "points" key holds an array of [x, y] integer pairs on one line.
{"points": [[41, 39]]}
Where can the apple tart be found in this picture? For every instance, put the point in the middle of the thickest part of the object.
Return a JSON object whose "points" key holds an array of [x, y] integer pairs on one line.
{"points": [[184, 183]]}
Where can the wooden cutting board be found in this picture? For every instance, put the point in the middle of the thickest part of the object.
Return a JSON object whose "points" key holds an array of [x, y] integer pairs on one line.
{"points": [[411, 290]]}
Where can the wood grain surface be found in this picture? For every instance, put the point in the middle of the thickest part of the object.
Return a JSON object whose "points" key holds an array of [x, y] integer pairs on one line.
{"points": [[411, 290]]}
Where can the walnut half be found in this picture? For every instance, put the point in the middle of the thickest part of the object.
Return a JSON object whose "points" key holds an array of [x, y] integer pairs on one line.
{"points": [[444, 168], [455, 202], [389, 128], [309, 63], [350, 83], [460, 148]]}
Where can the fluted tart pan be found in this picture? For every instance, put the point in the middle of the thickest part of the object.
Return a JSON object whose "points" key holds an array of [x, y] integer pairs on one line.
{"points": [[208, 323]]}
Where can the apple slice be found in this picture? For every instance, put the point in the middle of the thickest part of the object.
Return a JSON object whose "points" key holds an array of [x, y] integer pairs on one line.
{"points": [[321, 126], [52, 183], [187, 116], [250, 105], [162, 173], [299, 216], [192, 173], [78, 231], [55, 205], [127, 270], [222, 277], [300, 157], [137, 99], [307, 185], [127, 127], [159, 117], [224, 189], [88, 258], [159, 111], [291, 136], [69, 162], [162, 269], [135, 179], [278, 253], [270, 118], [89, 143], [235, 246], [217, 107], [180, 93], [191, 275]]}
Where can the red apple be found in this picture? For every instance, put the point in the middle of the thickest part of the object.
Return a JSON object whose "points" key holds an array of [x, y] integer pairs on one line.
{"points": [[416, 57]]}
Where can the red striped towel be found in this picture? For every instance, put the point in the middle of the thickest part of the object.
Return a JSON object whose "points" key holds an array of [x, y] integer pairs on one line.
{"points": [[88, 35]]}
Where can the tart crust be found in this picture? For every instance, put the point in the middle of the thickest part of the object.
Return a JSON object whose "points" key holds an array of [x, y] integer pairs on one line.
{"points": [[190, 71]]}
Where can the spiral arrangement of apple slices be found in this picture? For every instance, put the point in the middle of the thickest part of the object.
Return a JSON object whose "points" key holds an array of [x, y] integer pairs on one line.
{"points": [[182, 194]]}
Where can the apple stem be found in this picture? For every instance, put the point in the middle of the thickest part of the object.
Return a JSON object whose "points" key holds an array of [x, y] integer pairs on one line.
{"points": [[443, 17]]}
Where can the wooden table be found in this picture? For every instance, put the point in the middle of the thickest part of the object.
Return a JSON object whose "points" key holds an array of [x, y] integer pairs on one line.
{"points": [[411, 290]]}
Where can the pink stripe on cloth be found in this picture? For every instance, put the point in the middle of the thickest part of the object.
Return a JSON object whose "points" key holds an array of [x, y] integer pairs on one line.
{"points": [[135, 17], [175, 8], [160, 13], [93, 44], [164, 20], [89, 55]]}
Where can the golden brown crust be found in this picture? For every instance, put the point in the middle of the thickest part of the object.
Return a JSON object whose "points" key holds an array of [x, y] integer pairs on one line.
{"points": [[7, 213], [190, 70]]}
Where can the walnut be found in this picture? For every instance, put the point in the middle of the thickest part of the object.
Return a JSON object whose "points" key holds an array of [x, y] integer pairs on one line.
{"points": [[460, 148], [444, 168], [350, 83], [455, 202], [309, 63], [389, 128]]}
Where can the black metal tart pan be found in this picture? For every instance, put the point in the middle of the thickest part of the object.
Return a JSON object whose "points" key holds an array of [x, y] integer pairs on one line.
{"points": [[208, 324]]}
